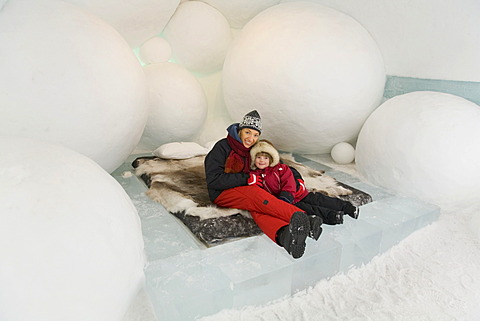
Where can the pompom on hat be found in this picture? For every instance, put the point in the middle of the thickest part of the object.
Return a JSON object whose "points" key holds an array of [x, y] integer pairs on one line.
{"points": [[252, 120]]}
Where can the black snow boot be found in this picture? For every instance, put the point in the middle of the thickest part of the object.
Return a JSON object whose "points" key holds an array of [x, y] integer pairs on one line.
{"points": [[315, 226], [292, 237], [351, 210], [334, 217]]}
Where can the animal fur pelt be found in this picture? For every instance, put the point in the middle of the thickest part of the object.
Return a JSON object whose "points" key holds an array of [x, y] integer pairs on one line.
{"points": [[179, 185], [316, 181]]}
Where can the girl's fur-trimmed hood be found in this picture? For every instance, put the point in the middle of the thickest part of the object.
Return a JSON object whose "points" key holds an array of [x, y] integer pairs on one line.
{"points": [[264, 146]]}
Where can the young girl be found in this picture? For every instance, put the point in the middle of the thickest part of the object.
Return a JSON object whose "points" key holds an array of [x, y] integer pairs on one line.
{"points": [[278, 179]]}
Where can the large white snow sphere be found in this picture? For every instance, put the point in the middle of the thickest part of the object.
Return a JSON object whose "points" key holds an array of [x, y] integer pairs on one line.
{"points": [[424, 144], [71, 241], [239, 12], [178, 106], [135, 20], [313, 73], [155, 50], [69, 78], [199, 36], [343, 153]]}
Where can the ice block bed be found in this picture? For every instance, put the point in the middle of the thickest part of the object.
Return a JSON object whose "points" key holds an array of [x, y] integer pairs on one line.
{"points": [[186, 280]]}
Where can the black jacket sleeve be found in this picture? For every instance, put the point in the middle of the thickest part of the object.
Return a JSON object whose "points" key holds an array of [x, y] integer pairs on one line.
{"points": [[217, 179], [296, 175]]}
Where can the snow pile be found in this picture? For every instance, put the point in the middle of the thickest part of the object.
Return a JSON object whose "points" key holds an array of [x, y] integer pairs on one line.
{"points": [[155, 50], [135, 20], [239, 12], [178, 106], [69, 78], [72, 246], [199, 36], [423, 144], [309, 70]]}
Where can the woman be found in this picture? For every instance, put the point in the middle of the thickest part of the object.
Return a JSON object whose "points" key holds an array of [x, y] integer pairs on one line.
{"points": [[230, 184]]}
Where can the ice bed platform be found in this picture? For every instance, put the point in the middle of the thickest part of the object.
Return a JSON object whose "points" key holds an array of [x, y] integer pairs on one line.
{"points": [[186, 280]]}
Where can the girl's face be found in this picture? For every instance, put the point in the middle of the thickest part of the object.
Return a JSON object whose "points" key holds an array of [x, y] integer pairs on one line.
{"points": [[249, 136], [262, 161]]}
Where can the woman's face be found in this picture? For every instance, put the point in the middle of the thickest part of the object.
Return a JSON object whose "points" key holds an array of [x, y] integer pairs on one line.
{"points": [[249, 136]]}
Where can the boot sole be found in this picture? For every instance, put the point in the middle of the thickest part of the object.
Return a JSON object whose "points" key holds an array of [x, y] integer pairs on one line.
{"points": [[315, 228], [299, 229]]}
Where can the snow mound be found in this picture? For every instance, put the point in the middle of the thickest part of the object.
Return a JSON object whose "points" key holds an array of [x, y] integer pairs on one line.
{"points": [[72, 246], [313, 73], [155, 50], [424, 144], [178, 106], [69, 78], [199, 36], [135, 20], [239, 12]]}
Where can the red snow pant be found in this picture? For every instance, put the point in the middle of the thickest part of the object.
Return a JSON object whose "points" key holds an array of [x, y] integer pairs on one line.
{"points": [[269, 212]]}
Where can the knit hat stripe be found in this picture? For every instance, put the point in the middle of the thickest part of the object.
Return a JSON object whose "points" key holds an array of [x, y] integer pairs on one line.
{"points": [[252, 120]]}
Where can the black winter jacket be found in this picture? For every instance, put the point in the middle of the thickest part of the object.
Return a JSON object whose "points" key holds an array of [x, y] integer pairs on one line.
{"points": [[217, 179]]}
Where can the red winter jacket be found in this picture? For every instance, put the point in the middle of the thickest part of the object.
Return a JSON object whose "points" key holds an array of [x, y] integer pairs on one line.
{"points": [[278, 178]]}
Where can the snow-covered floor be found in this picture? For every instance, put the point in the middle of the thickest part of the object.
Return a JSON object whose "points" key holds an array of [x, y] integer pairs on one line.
{"points": [[433, 274]]}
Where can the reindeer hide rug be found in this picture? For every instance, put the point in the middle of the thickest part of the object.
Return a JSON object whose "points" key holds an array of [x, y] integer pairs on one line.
{"points": [[179, 185]]}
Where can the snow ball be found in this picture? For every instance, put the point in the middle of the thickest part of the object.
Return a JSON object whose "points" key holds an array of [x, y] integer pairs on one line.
{"points": [[69, 78], [313, 73], [343, 153], [423, 144], [72, 246], [136, 20], [178, 106], [199, 36], [155, 50], [239, 12]]}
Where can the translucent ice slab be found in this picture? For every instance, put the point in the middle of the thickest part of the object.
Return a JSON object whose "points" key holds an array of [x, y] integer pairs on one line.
{"points": [[185, 280]]}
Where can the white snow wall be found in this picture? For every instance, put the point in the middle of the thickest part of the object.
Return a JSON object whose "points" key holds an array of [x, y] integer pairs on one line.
{"points": [[427, 45]]}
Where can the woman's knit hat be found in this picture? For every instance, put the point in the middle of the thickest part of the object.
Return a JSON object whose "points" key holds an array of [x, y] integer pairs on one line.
{"points": [[264, 146], [251, 120]]}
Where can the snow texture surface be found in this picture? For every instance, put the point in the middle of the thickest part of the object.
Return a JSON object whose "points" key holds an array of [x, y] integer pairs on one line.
{"points": [[431, 275], [199, 36], [155, 50], [239, 12], [424, 144], [304, 66], [69, 78], [136, 20], [177, 105], [71, 242]]}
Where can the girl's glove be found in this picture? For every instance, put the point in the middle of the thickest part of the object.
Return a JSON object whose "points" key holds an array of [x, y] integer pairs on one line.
{"points": [[255, 179], [300, 185], [286, 197]]}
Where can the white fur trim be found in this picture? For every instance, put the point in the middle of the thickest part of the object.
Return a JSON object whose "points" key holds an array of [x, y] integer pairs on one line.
{"points": [[264, 147]]}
